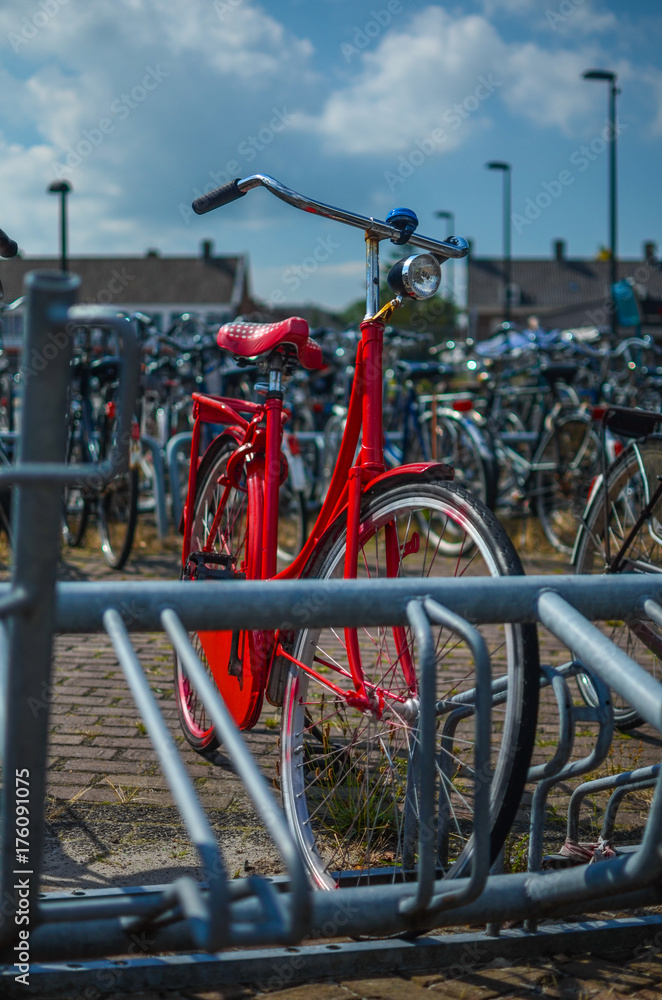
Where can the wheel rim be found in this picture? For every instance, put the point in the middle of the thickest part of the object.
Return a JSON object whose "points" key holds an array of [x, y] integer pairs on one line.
{"points": [[350, 779], [629, 490], [575, 452], [192, 710]]}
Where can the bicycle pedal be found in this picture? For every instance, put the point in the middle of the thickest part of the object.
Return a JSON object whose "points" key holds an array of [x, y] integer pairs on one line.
{"points": [[198, 567]]}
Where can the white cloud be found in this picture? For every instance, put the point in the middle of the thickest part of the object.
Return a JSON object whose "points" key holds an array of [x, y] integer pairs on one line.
{"points": [[427, 75], [546, 86], [409, 82], [216, 80], [565, 16]]}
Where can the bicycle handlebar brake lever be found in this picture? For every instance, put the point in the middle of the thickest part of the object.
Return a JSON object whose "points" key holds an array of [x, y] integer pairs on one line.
{"points": [[405, 220]]}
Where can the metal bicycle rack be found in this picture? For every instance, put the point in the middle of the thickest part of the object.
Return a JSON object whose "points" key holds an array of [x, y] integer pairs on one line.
{"points": [[183, 930]]}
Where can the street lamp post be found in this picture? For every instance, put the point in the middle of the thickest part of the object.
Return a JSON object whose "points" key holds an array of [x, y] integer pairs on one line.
{"points": [[62, 188], [507, 186], [449, 264], [610, 77]]}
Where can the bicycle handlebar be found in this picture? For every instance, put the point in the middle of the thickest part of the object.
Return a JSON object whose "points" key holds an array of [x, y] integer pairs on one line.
{"points": [[8, 248], [610, 352], [454, 246]]}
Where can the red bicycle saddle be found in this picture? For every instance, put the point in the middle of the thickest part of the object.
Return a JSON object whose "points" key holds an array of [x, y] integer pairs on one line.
{"points": [[249, 340]]}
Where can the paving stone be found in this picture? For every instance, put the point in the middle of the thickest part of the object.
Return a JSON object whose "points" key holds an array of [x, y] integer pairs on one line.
{"points": [[622, 979], [461, 989], [318, 991], [141, 744], [227, 993], [91, 753], [387, 988], [89, 794], [155, 781], [65, 720]]}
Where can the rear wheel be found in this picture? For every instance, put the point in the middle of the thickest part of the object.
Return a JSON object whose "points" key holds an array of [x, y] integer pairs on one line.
{"points": [[631, 483], [117, 508], [117, 513], [230, 542], [349, 777], [76, 500], [458, 442], [572, 450]]}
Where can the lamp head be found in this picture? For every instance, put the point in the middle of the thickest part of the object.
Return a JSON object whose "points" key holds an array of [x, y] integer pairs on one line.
{"points": [[599, 74], [417, 276], [59, 187], [497, 165]]}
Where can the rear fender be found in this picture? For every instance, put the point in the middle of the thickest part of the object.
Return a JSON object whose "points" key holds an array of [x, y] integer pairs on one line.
{"points": [[414, 472]]}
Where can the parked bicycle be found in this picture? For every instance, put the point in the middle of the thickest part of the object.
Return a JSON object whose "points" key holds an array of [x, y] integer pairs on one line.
{"points": [[8, 249], [349, 734], [91, 438], [621, 532]]}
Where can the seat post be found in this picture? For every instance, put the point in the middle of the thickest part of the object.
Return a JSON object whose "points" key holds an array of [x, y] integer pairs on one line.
{"points": [[274, 431]]}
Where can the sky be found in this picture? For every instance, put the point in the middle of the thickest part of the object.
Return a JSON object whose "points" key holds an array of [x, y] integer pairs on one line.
{"points": [[365, 104]]}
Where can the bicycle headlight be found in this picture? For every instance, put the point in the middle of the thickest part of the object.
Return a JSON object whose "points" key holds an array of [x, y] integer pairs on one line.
{"points": [[417, 277]]}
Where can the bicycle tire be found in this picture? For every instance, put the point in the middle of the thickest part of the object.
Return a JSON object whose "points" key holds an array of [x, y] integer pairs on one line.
{"points": [[339, 763], [461, 444], [5, 509], [292, 521], [117, 505], [573, 447], [117, 512], [7, 391], [213, 652], [630, 481], [76, 500]]}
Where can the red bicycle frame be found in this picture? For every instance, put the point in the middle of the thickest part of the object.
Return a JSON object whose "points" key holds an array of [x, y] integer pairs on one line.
{"points": [[259, 453], [257, 430]]}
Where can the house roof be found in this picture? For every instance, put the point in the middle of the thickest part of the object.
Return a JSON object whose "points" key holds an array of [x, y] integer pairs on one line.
{"points": [[557, 285], [142, 281]]}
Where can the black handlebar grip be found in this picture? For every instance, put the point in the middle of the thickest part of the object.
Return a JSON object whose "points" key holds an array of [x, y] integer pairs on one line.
{"points": [[8, 248], [221, 196]]}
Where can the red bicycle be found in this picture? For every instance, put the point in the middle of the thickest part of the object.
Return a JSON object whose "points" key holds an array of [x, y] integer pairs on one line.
{"points": [[349, 697]]}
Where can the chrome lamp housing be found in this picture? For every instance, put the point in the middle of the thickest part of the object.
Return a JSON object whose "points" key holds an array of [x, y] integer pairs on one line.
{"points": [[416, 277]]}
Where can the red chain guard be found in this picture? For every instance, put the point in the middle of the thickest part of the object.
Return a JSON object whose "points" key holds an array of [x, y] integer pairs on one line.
{"points": [[243, 695]]}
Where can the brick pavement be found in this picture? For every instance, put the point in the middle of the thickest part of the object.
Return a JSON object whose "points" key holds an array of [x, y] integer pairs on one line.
{"points": [[112, 820]]}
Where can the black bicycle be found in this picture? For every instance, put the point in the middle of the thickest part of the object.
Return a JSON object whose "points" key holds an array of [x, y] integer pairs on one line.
{"points": [[92, 436]]}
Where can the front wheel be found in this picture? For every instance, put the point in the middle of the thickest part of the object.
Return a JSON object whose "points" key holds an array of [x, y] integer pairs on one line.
{"points": [[630, 484], [348, 777]]}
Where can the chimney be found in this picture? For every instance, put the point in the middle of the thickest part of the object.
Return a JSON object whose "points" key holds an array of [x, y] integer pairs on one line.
{"points": [[207, 249], [559, 250], [650, 251]]}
